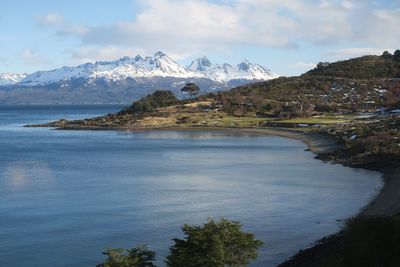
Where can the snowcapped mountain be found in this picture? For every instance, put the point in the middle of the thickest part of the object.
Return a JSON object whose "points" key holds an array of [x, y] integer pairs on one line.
{"points": [[124, 80], [11, 78], [160, 65], [127, 67], [225, 72]]}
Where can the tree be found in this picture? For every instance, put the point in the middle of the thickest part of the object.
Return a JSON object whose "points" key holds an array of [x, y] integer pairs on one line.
{"points": [[386, 54], [158, 99], [396, 55], [215, 244], [139, 256], [191, 88]]}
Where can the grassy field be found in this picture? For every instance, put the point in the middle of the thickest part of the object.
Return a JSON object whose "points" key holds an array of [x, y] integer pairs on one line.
{"points": [[320, 119], [221, 119]]}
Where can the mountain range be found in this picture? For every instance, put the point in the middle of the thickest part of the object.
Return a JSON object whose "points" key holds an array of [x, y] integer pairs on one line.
{"points": [[123, 80]]}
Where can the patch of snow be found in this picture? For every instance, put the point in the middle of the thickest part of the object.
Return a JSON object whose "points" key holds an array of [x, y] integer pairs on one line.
{"points": [[353, 137], [11, 78]]}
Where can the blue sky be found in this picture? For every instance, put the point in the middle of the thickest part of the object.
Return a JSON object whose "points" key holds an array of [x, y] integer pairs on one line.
{"points": [[289, 37]]}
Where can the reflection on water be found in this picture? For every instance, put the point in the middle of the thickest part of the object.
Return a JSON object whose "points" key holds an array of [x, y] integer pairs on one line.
{"points": [[65, 196], [24, 175], [192, 134]]}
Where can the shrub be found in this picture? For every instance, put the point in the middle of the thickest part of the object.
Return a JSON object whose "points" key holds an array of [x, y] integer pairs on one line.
{"points": [[139, 256], [191, 88], [215, 244], [156, 100]]}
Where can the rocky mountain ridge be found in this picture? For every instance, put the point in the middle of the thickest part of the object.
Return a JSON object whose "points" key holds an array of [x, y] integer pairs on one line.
{"points": [[123, 80]]}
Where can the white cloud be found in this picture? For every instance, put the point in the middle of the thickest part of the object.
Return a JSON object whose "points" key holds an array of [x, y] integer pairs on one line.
{"points": [[348, 4], [50, 19], [193, 25], [190, 27], [183, 28]]}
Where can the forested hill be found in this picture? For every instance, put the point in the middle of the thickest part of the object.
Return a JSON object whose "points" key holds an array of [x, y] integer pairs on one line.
{"points": [[362, 84], [366, 67]]}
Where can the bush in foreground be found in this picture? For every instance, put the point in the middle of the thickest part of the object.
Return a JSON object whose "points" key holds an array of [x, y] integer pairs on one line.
{"points": [[139, 256], [215, 244]]}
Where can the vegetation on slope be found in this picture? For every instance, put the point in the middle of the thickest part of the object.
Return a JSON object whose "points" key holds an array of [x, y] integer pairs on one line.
{"points": [[366, 67], [350, 86], [158, 99], [365, 242], [372, 143]]}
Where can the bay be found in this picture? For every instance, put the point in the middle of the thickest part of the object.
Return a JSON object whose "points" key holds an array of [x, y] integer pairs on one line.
{"points": [[65, 196]]}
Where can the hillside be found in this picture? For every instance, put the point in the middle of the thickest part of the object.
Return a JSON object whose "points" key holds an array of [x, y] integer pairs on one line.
{"points": [[366, 67], [350, 86]]}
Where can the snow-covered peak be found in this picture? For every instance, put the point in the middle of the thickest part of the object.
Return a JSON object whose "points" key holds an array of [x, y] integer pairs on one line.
{"points": [[200, 64], [159, 65], [11, 78], [244, 66], [126, 67], [159, 54], [138, 58], [248, 69], [169, 66], [226, 72]]}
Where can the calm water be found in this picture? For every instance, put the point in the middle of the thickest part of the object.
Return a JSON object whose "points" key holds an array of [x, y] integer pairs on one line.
{"points": [[65, 196]]}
